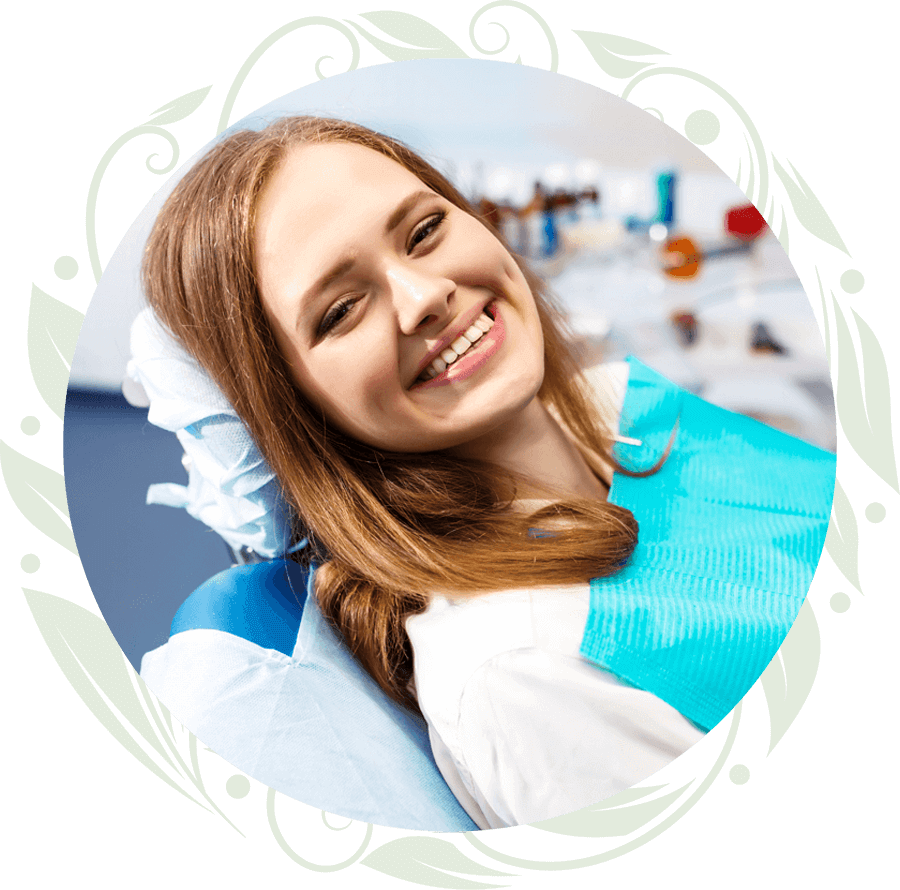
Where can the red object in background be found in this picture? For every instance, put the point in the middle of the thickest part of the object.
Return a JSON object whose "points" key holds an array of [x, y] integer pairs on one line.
{"points": [[745, 223]]}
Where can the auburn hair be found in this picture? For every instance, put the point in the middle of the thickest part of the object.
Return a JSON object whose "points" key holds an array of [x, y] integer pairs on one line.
{"points": [[386, 530]]}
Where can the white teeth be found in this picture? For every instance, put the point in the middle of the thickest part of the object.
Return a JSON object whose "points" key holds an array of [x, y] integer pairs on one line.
{"points": [[459, 346]]}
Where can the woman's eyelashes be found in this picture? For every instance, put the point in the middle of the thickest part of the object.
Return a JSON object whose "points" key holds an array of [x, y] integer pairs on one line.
{"points": [[336, 315], [426, 229]]}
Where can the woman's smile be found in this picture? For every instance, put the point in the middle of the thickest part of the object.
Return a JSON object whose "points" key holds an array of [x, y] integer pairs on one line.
{"points": [[466, 353], [402, 317]]}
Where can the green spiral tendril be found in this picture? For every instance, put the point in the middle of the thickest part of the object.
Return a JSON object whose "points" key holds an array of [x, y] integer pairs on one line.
{"points": [[763, 192], [493, 52], [631, 845], [94, 190], [170, 113], [551, 42], [272, 39], [319, 61], [286, 847], [176, 152]]}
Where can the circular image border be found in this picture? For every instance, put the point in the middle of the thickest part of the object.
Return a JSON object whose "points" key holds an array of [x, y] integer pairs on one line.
{"points": [[91, 660]]}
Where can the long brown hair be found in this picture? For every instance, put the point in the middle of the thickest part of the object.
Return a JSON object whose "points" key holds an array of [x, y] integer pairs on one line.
{"points": [[387, 529]]}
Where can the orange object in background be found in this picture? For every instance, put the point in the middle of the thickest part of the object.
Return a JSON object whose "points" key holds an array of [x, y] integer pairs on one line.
{"points": [[681, 258]]}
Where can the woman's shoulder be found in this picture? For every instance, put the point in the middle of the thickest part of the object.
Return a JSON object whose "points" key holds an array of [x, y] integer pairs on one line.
{"points": [[455, 636], [499, 620]]}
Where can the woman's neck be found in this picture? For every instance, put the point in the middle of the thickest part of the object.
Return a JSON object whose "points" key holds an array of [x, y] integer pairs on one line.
{"points": [[536, 446]]}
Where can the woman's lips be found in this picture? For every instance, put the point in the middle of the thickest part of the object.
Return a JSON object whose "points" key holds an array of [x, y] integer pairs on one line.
{"points": [[474, 358], [468, 320]]}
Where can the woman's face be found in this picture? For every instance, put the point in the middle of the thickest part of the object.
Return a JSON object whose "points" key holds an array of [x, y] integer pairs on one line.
{"points": [[368, 278]]}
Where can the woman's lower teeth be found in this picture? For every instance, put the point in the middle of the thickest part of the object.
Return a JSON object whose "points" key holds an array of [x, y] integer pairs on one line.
{"points": [[459, 346]]}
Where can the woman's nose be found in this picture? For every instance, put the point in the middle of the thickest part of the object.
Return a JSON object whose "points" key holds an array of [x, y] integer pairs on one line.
{"points": [[420, 300]]}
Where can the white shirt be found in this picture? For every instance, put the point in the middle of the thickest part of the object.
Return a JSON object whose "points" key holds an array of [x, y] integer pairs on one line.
{"points": [[521, 726]]}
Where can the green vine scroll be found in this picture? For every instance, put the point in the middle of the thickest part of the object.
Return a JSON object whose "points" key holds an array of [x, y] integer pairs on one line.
{"points": [[91, 661]]}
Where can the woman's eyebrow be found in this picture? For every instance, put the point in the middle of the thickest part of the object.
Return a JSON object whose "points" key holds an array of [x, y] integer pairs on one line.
{"points": [[338, 270], [342, 267], [404, 207]]}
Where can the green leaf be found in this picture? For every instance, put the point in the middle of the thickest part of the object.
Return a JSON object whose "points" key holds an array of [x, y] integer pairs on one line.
{"points": [[865, 413], [53, 329], [826, 327], [789, 677], [178, 109], [625, 46], [89, 640], [36, 490], [423, 39], [602, 821], [878, 402], [427, 860], [751, 176], [809, 211], [92, 662], [842, 540], [414, 31], [604, 54]]}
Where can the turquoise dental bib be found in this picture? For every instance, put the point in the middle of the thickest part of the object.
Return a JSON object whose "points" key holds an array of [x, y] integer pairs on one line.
{"points": [[731, 531]]}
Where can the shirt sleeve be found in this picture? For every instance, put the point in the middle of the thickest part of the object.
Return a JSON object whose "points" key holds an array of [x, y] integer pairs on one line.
{"points": [[541, 734]]}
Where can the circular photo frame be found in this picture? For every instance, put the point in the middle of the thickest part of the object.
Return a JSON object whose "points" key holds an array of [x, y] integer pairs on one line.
{"points": [[92, 662]]}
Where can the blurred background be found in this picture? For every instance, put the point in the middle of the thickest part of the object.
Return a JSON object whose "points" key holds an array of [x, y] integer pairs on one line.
{"points": [[650, 248]]}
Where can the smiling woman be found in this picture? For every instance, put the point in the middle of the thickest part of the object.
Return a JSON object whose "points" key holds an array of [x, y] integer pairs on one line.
{"points": [[452, 477], [409, 273]]}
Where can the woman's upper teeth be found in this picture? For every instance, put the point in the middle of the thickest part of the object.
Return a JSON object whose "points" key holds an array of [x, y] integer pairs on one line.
{"points": [[459, 346]]}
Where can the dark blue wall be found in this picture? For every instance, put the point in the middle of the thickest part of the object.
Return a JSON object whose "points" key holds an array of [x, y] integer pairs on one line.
{"points": [[141, 561]]}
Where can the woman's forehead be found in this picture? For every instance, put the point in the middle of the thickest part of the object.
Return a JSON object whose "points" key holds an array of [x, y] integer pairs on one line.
{"points": [[322, 168], [321, 200], [323, 182]]}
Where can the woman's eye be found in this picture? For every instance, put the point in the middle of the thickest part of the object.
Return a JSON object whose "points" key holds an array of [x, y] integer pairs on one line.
{"points": [[336, 315], [426, 229]]}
